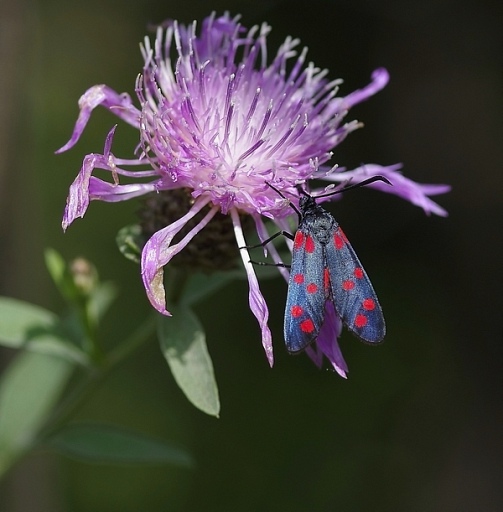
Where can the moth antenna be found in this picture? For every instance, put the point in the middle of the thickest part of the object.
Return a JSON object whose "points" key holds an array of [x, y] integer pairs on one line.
{"points": [[358, 185], [297, 211]]}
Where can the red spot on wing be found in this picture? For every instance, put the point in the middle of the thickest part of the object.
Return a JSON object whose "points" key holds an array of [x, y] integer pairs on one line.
{"points": [[326, 279], [297, 311], [360, 321], [307, 326], [309, 244], [358, 272], [338, 241], [348, 285], [298, 278], [299, 240], [343, 236], [369, 304], [312, 288]]}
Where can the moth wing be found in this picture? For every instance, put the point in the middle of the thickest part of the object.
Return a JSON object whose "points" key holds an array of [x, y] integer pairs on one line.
{"points": [[307, 293], [352, 292]]}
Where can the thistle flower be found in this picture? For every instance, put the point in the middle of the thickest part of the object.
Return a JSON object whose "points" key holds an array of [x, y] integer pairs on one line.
{"points": [[219, 123]]}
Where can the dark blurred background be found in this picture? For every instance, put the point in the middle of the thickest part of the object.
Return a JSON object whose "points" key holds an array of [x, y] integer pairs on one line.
{"points": [[417, 426]]}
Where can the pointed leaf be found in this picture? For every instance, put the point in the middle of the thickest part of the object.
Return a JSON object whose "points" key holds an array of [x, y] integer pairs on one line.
{"points": [[109, 444], [24, 325], [29, 389], [183, 344]]}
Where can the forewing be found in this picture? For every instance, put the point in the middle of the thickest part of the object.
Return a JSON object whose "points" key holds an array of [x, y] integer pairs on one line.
{"points": [[307, 292], [352, 292]]}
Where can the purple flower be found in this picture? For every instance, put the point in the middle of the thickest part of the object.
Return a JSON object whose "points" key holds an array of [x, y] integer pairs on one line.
{"points": [[221, 123]]}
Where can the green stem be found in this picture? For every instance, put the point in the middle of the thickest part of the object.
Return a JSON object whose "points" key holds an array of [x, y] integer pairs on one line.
{"points": [[134, 341], [92, 346]]}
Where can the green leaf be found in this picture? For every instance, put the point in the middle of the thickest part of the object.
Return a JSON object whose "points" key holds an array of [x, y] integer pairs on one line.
{"points": [[183, 344], [24, 325], [29, 389], [130, 241], [109, 444]]}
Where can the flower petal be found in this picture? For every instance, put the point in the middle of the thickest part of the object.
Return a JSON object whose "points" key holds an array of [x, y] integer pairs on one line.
{"points": [[327, 340], [119, 104], [256, 300], [380, 78], [112, 193], [157, 253], [416, 193], [78, 196]]}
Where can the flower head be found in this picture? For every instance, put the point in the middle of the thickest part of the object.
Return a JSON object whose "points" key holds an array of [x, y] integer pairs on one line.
{"points": [[216, 119]]}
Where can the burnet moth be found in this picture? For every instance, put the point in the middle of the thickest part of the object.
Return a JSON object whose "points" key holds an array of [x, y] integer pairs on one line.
{"points": [[325, 268]]}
